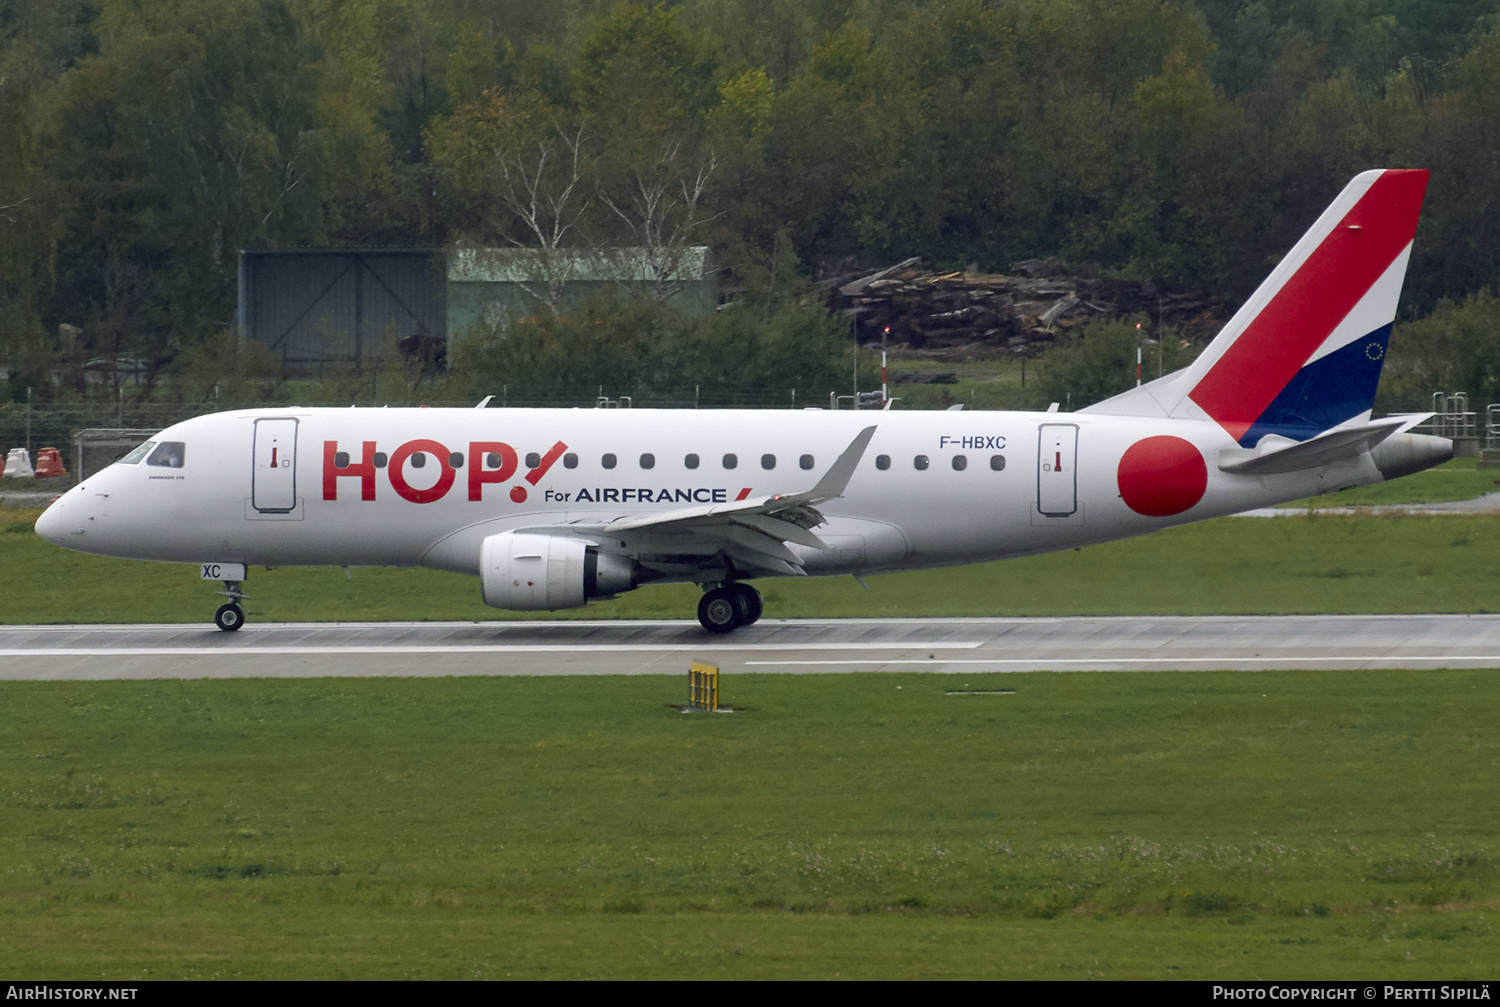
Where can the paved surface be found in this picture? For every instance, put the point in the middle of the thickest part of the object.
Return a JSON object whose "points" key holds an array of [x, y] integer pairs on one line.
{"points": [[1489, 503], [640, 648], [30, 498]]}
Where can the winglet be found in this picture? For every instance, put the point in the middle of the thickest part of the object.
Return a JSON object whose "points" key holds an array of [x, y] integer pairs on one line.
{"points": [[778, 507], [837, 477]]}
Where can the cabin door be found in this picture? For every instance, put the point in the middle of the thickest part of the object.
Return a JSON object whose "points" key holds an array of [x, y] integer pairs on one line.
{"points": [[1056, 478], [273, 485]]}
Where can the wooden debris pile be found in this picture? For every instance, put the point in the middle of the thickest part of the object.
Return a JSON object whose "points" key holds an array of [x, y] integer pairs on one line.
{"points": [[967, 313]]}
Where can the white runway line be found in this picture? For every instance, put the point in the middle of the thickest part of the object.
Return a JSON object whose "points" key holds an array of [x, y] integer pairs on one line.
{"points": [[479, 648], [1373, 660], [952, 646]]}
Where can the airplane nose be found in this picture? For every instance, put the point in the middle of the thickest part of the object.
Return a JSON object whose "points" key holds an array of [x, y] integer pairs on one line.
{"points": [[53, 524]]}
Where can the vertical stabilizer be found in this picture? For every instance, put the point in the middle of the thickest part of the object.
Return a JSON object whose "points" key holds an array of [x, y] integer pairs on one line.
{"points": [[1304, 353]]}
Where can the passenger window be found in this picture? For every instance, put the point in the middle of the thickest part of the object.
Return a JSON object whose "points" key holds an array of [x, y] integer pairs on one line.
{"points": [[691, 461], [419, 460], [768, 461], [730, 461], [168, 454], [882, 462], [533, 459], [492, 460], [570, 460], [608, 462], [960, 463], [140, 451], [380, 459], [806, 461], [648, 461], [997, 462], [340, 459], [920, 462], [456, 460]]}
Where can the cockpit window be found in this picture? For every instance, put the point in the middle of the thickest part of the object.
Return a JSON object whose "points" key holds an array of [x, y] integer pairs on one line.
{"points": [[168, 455], [137, 453]]}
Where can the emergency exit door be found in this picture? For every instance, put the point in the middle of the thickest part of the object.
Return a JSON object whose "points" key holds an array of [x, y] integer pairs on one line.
{"points": [[1056, 478], [273, 485]]}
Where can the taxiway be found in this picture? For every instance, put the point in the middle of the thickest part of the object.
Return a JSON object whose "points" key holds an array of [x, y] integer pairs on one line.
{"points": [[797, 646]]}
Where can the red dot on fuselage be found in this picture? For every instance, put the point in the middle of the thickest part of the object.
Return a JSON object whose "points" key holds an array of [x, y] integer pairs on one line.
{"points": [[1162, 476], [518, 494]]}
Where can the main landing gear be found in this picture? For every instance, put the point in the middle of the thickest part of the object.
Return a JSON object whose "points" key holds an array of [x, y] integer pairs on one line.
{"points": [[730, 606], [230, 615]]}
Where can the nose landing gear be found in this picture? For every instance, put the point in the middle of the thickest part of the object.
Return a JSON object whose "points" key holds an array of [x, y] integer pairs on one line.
{"points": [[730, 606], [230, 615]]}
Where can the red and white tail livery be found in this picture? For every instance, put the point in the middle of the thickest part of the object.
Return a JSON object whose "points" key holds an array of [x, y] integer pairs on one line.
{"points": [[1304, 353]]}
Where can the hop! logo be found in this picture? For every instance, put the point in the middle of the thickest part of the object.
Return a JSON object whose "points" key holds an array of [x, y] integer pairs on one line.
{"points": [[486, 462]]}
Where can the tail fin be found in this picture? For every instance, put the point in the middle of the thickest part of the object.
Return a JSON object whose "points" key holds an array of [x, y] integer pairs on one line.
{"points": [[1304, 353]]}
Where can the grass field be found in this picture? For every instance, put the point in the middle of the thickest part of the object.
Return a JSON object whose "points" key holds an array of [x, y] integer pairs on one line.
{"points": [[1311, 564], [1170, 825], [978, 385]]}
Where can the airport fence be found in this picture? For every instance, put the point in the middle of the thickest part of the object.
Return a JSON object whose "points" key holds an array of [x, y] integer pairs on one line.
{"points": [[34, 426], [40, 426]]}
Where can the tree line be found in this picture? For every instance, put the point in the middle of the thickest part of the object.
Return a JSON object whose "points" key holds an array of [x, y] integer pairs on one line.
{"points": [[142, 142]]}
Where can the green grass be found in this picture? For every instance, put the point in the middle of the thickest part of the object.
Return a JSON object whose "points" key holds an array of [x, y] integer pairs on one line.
{"points": [[1313, 564], [16, 484], [1454, 480], [1171, 825], [980, 384]]}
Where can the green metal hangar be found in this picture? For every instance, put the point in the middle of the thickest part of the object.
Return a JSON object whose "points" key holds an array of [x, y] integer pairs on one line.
{"points": [[490, 286], [335, 305]]}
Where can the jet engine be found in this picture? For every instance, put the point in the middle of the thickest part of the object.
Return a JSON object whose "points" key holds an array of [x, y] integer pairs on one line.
{"points": [[529, 572], [1403, 454]]}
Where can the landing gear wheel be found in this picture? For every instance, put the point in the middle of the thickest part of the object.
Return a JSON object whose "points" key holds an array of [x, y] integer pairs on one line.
{"points": [[751, 604], [719, 610], [229, 617]]}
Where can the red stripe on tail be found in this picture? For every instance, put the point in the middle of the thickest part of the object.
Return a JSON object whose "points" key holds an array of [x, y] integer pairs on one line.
{"points": [[1312, 302]]}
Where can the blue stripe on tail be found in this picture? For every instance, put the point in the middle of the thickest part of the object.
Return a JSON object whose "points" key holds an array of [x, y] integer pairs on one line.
{"points": [[1325, 393]]}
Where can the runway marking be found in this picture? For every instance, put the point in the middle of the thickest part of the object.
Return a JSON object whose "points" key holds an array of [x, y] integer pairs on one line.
{"points": [[478, 648], [1061, 646], [559, 625], [1095, 661]]}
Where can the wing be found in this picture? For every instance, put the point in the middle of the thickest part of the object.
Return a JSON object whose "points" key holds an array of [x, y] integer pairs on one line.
{"points": [[747, 537]]}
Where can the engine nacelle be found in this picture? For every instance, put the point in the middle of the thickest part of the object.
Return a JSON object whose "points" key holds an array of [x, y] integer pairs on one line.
{"points": [[529, 572], [1402, 454]]}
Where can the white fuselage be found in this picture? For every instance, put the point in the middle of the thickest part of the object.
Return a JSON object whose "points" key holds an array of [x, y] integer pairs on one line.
{"points": [[994, 484]]}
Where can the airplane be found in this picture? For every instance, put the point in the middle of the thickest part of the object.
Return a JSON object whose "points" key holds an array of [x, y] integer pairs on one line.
{"points": [[555, 508]]}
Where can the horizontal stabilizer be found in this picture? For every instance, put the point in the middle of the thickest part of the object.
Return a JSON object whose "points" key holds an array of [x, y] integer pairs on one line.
{"points": [[1277, 455]]}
